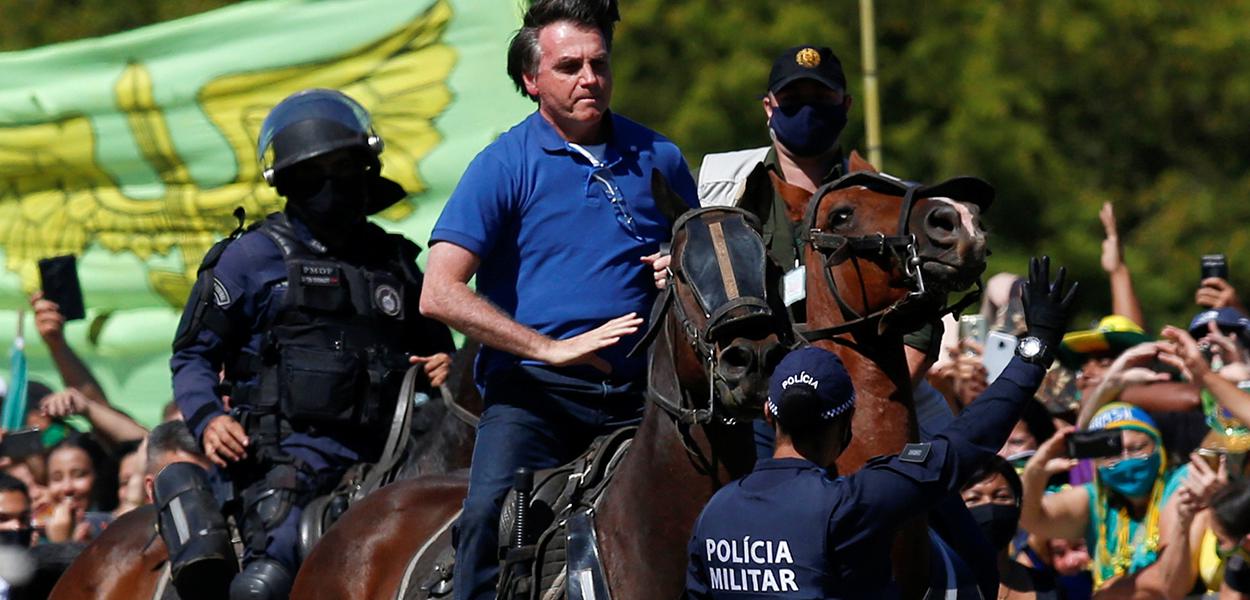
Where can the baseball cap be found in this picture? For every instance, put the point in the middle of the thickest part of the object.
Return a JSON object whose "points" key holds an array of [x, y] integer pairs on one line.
{"points": [[1229, 320], [1114, 334], [817, 63], [810, 384]]}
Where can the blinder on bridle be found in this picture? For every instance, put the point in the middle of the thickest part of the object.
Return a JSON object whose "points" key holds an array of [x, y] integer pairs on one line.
{"points": [[724, 264], [730, 276], [901, 247]]}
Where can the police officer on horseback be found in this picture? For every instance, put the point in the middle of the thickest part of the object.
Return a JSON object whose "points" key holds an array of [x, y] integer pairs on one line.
{"points": [[794, 528], [307, 323]]}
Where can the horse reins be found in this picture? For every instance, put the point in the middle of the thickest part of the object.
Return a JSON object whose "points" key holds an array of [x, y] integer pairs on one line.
{"points": [[901, 249]]}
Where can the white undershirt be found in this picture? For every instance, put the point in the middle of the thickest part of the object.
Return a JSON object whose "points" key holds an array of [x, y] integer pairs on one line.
{"points": [[593, 152]]}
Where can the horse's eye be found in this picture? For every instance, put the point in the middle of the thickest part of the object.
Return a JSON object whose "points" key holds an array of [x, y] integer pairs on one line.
{"points": [[841, 216]]}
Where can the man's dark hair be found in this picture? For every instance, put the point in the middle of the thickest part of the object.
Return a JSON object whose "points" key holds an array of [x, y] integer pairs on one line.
{"points": [[35, 392], [9, 483], [1231, 507], [996, 465], [171, 436], [523, 51]]}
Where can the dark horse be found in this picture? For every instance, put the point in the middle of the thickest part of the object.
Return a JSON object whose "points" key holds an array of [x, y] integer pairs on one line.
{"points": [[882, 258], [128, 560], [716, 339]]}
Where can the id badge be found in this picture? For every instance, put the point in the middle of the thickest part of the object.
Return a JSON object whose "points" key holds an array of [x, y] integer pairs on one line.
{"points": [[794, 285]]}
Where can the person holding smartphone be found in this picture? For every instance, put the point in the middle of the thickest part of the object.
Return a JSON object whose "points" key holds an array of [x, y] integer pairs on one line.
{"points": [[1123, 515]]}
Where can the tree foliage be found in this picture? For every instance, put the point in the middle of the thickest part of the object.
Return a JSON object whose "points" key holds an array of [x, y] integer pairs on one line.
{"points": [[1062, 105]]}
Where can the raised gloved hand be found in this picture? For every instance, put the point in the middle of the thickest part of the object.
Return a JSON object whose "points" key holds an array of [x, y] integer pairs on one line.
{"points": [[1047, 306]]}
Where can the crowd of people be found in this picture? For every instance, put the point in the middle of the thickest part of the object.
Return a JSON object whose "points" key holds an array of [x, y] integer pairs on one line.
{"points": [[1124, 476]]}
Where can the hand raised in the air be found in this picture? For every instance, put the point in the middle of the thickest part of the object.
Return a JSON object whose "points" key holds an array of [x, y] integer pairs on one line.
{"points": [[1047, 305]]}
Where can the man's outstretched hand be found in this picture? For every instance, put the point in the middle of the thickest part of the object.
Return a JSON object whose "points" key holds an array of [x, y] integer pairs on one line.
{"points": [[1047, 305]]}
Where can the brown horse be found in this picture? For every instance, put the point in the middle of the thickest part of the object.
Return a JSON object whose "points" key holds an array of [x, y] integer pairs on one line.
{"points": [[717, 338], [882, 257], [127, 561]]}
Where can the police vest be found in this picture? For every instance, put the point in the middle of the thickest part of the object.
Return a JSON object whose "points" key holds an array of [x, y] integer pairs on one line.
{"points": [[768, 542], [334, 354]]}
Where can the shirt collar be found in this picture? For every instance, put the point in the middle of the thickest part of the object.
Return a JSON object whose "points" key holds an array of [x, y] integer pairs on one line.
{"points": [[549, 139], [776, 464]]}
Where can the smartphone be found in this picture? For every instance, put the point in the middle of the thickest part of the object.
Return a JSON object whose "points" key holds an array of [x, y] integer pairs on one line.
{"points": [[1215, 265], [1212, 457], [22, 443], [999, 348], [1096, 444], [972, 326], [59, 281]]}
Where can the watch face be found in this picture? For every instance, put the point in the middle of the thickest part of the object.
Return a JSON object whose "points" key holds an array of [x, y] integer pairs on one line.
{"points": [[1031, 347]]}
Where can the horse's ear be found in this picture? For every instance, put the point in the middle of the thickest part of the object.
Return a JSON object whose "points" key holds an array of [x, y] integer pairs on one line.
{"points": [[757, 193], [858, 163], [671, 205]]}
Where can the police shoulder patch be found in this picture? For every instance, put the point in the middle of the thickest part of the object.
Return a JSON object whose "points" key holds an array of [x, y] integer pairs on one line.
{"points": [[221, 296], [915, 453]]}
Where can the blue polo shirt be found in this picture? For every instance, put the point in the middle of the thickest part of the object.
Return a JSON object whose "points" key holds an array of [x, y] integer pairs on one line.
{"points": [[554, 252]]}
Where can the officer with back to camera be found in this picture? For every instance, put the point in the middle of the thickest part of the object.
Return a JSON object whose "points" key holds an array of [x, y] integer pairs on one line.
{"points": [[311, 317], [794, 529]]}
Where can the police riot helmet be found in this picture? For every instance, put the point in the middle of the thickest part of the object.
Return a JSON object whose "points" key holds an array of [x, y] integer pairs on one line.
{"points": [[311, 123]]}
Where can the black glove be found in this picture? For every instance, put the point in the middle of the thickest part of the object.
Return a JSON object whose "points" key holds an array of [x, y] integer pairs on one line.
{"points": [[1047, 308]]}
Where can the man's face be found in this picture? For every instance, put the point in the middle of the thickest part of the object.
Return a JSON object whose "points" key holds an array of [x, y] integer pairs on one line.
{"points": [[573, 83], [1021, 439], [804, 91], [14, 510], [1090, 374]]}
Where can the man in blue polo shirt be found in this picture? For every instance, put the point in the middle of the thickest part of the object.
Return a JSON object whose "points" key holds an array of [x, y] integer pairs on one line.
{"points": [[555, 218]]}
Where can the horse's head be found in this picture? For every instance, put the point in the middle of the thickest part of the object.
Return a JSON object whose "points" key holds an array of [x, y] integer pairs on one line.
{"points": [[723, 330], [876, 245]]}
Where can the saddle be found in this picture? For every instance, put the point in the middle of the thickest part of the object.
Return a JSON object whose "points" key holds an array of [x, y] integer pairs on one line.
{"points": [[557, 537]]}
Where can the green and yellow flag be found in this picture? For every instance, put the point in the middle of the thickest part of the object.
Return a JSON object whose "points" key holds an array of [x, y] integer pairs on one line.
{"points": [[131, 151]]}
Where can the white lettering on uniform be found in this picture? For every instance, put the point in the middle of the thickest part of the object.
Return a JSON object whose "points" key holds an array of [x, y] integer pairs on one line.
{"points": [[787, 581], [768, 554], [756, 558], [783, 552]]}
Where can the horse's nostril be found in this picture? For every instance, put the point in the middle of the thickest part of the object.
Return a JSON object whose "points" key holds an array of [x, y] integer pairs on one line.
{"points": [[943, 219], [736, 358]]}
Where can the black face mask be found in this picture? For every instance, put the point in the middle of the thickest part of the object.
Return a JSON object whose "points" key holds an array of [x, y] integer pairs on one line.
{"points": [[16, 537], [998, 522], [331, 207]]}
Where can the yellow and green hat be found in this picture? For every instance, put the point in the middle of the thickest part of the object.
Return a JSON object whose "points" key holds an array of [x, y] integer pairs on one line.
{"points": [[1114, 334]]}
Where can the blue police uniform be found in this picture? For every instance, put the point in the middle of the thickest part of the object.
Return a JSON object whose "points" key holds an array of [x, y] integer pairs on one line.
{"points": [[559, 232], [792, 529], [249, 288]]}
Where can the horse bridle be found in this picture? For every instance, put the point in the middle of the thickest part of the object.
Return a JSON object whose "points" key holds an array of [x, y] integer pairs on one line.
{"points": [[900, 248], [716, 317]]}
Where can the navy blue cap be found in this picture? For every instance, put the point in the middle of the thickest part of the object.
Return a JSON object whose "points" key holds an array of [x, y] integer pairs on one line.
{"points": [[1229, 320], [817, 63], [810, 383]]}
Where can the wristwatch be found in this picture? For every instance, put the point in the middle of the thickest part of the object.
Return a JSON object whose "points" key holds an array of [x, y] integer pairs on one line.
{"points": [[1033, 349]]}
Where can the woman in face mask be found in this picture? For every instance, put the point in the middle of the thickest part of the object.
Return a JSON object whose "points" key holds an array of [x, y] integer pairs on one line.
{"points": [[1123, 514], [993, 497]]}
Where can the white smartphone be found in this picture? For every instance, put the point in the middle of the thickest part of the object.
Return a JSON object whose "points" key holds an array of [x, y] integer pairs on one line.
{"points": [[999, 348]]}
